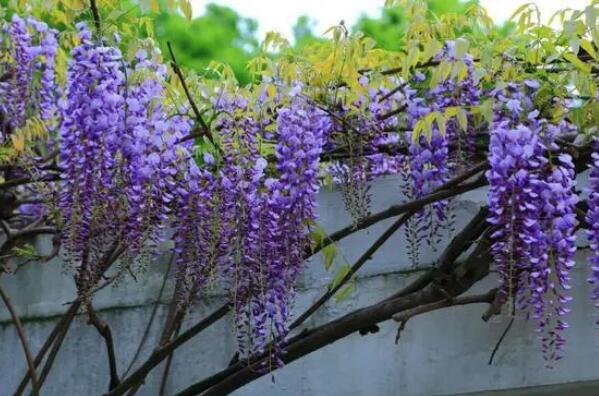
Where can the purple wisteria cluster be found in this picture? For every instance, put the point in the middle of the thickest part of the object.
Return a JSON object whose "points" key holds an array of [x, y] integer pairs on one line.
{"points": [[532, 205], [27, 73], [433, 159], [592, 219], [243, 223], [117, 150], [302, 131]]}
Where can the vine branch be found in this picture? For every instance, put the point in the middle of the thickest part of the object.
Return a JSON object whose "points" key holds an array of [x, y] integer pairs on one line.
{"points": [[192, 103], [104, 330], [24, 342]]}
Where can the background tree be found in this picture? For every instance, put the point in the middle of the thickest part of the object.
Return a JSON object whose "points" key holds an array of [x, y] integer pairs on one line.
{"points": [[220, 34]]}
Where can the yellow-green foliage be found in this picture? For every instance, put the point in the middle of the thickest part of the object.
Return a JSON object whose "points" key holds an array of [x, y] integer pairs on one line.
{"points": [[22, 139], [549, 55]]}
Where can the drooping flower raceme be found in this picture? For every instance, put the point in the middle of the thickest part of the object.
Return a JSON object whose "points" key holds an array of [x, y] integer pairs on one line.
{"points": [[93, 117], [592, 219], [30, 46], [302, 130], [117, 149], [532, 205]]}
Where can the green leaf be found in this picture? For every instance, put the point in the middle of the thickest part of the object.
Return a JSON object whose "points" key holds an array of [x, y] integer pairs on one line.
{"points": [[417, 130], [520, 9], [441, 122], [185, 6], [461, 47], [590, 17], [462, 119], [486, 110], [588, 47], [460, 70], [445, 68], [573, 59], [428, 127], [413, 55], [431, 48], [317, 235], [340, 275], [575, 44], [451, 111], [345, 291], [329, 253], [26, 251]]}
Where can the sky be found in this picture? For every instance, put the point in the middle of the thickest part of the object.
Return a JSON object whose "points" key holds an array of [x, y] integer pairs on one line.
{"points": [[281, 15]]}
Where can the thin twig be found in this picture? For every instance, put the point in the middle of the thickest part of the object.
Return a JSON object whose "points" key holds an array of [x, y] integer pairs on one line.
{"points": [[157, 357], [27, 180], [60, 336], [310, 340], [151, 320], [104, 330], [507, 329], [460, 243], [163, 352], [393, 92], [47, 344], [354, 268], [192, 103], [392, 112], [24, 342], [96, 16], [167, 366], [448, 190], [403, 317]]}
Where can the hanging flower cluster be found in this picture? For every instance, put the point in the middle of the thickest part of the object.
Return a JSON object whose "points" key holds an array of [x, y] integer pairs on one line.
{"points": [[240, 226], [27, 73], [118, 155], [592, 219], [433, 159], [532, 204]]}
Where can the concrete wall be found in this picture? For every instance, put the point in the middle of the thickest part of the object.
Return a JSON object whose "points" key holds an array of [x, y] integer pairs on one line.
{"points": [[441, 353]]}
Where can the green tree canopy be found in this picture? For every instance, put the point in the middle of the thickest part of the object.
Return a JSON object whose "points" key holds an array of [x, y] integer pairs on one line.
{"points": [[220, 34]]}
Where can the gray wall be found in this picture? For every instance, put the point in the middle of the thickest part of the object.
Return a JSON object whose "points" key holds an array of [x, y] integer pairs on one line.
{"points": [[441, 353]]}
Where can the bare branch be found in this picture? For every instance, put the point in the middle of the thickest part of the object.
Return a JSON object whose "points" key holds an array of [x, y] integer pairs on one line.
{"points": [[156, 358], [24, 342], [450, 189], [393, 92], [496, 348], [48, 343], [354, 268], [469, 273], [104, 330], [96, 17], [192, 103], [27, 180], [403, 317], [56, 343], [163, 352], [60, 330], [167, 366], [151, 320], [392, 112], [314, 339]]}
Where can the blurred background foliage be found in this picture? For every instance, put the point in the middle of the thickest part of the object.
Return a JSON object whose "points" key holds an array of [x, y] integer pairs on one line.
{"points": [[220, 34]]}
